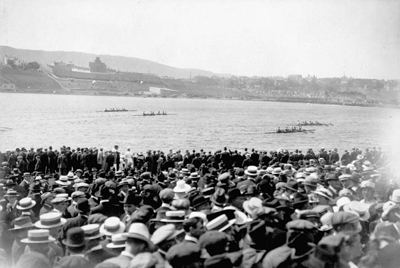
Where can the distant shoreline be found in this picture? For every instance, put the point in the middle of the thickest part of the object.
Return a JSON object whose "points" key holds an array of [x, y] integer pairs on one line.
{"points": [[309, 101]]}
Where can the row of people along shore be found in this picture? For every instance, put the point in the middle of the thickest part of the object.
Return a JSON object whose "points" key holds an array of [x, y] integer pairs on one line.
{"points": [[223, 209]]}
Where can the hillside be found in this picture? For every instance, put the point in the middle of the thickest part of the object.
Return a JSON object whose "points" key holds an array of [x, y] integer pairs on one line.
{"points": [[114, 62]]}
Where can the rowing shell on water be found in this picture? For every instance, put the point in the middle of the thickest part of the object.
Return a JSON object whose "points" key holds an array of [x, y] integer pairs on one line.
{"points": [[116, 111], [151, 114], [286, 132], [313, 125]]}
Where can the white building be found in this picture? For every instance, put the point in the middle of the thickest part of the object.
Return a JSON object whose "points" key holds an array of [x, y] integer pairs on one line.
{"points": [[162, 91]]}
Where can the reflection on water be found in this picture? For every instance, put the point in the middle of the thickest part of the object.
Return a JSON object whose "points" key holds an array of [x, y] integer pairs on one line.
{"points": [[42, 120]]}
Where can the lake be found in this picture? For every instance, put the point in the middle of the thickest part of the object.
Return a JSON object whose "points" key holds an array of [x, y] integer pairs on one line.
{"points": [[39, 120]]}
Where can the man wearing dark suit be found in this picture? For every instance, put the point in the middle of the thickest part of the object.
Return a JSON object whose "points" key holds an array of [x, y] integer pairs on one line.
{"points": [[105, 206], [23, 187], [52, 160], [62, 163], [334, 157], [83, 209]]}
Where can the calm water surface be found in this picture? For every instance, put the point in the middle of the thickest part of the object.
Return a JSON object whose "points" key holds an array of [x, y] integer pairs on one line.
{"points": [[36, 120]]}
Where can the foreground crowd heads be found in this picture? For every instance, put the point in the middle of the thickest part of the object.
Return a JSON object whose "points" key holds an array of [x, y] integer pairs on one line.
{"points": [[86, 208]]}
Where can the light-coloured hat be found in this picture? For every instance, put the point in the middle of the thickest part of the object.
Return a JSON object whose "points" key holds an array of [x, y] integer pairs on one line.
{"points": [[386, 208], [395, 197], [164, 233], [220, 223], [270, 170], [63, 180], [50, 220], [22, 223], [351, 167], [26, 203], [251, 171], [277, 171], [81, 184], [324, 192], [92, 231], [117, 241], [367, 184], [251, 204], [174, 216], [182, 187], [300, 175], [344, 177], [70, 175], [139, 231], [112, 226], [359, 208], [38, 237], [194, 175], [340, 203], [200, 215]]}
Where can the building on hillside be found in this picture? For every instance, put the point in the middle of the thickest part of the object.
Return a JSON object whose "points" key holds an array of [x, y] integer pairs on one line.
{"points": [[97, 66], [162, 91], [8, 86], [11, 61]]}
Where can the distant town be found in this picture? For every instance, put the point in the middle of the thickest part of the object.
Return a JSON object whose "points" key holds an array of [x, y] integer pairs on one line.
{"points": [[97, 78]]}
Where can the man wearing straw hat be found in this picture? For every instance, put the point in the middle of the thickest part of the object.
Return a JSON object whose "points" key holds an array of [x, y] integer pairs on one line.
{"points": [[53, 222], [38, 241], [21, 227]]}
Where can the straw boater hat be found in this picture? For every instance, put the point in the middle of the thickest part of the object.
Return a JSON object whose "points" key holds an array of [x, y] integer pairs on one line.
{"points": [[26, 203], [63, 180], [70, 176], [92, 231], [50, 220], [38, 237], [139, 231], [220, 223], [165, 233], [117, 241], [251, 171], [174, 216], [112, 226], [182, 187], [11, 193]]}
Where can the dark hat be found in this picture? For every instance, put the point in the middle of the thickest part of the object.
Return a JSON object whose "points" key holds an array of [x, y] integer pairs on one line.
{"points": [[143, 214], [233, 193], [256, 231], [198, 201], [291, 185], [22, 223], [230, 214], [183, 254], [9, 182], [271, 202], [75, 237], [103, 192], [83, 205], [36, 188], [218, 261], [212, 238], [219, 197], [299, 199], [132, 198]]}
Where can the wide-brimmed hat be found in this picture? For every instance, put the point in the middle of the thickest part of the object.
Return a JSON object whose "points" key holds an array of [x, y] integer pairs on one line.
{"points": [[367, 184], [164, 233], [117, 241], [194, 176], [291, 185], [359, 208], [50, 220], [92, 231], [344, 177], [251, 204], [63, 180], [22, 223], [199, 200], [139, 231], [251, 171], [324, 192], [26, 203], [75, 237], [176, 216], [182, 187], [112, 226], [221, 223], [311, 181], [38, 237]]}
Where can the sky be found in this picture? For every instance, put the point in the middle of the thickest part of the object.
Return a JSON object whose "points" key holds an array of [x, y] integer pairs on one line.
{"points": [[252, 38]]}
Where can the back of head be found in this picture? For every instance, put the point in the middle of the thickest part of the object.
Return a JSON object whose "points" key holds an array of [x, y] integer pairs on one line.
{"points": [[214, 242], [33, 260], [184, 255]]}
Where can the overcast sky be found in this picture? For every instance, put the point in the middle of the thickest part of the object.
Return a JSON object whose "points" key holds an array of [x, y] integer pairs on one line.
{"points": [[252, 38]]}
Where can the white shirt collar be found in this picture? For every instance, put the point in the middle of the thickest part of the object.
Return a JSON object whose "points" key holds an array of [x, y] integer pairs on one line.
{"points": [[127, 254], [191, 238]]}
